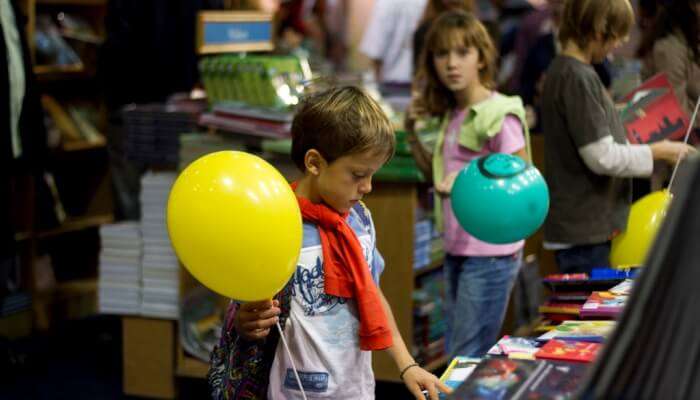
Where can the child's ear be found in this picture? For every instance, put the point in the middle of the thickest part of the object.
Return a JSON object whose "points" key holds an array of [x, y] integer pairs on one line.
{"points": [[314, 161]]}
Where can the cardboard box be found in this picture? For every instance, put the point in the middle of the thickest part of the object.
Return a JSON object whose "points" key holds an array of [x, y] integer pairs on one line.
{"points": [[149, 357]]}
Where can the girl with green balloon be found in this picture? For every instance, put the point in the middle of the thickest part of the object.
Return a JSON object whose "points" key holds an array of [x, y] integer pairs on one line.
{"points": [[487, 197]]}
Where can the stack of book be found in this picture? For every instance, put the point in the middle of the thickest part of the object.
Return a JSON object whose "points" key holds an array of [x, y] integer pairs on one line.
{"points": [[244, 120], [422, 239], [160, 279], [578, 296], [119, 284], [195, 145], [429, 322], [152, 131]]}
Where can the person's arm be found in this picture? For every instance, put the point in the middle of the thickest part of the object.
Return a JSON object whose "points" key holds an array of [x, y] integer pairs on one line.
{"points": [[414, 377], [605, 157], [423, 157], [376, 36]]}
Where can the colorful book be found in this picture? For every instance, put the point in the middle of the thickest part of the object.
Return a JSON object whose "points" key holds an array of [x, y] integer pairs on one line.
{"points": [[624, 288], [565, 277], [603, 305], [551, 307], [496, 378], [458, 371], [516, 347], [502, 378], [653, 112], [565, 350], [584, 331], [556, 380]]}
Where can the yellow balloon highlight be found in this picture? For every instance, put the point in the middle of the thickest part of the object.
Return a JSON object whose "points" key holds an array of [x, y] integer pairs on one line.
{"points": [[235, 224], [646, 215]]}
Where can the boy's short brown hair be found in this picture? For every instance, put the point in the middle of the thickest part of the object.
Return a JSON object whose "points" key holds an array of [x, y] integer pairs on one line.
{"points": [[338, 122], [583, 21]]}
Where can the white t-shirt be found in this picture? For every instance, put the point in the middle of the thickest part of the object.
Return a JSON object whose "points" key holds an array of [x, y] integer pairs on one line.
{"points": [[323, 331], [389, 37]]}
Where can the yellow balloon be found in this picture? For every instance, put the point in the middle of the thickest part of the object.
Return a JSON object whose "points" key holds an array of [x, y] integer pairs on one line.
{"points": [[235, 224], [646, 215]]}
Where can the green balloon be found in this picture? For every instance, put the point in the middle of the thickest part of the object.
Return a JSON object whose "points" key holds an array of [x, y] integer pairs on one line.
{"points": [[500, 199]]}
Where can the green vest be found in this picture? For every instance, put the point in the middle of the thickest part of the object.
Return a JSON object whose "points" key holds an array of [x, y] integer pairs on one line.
{"points": [[484, 121]]}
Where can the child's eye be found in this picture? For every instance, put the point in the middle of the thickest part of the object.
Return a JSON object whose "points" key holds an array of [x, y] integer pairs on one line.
{"points": [[358, 175], [441, 53]]}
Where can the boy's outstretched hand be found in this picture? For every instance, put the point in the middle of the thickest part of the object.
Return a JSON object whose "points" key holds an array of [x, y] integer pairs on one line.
{"points": [[254, 320], [418, 381]]}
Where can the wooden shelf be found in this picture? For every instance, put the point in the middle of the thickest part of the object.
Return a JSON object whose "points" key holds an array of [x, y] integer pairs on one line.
{"points": [[48, 73], [437, 364], [78, 286], [73, 224], [80, 145], [55, 69], [433, 266], [189, 367], [73, 2]]}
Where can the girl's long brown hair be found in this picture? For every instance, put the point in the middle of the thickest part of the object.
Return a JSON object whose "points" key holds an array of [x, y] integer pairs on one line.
{"points": [[450, 30]]}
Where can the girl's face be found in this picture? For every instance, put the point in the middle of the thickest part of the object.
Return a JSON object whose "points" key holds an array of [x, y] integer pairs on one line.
{"points": [[458, 68]]}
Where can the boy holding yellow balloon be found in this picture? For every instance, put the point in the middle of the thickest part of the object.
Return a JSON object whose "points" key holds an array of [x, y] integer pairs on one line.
{"points": [[332, 310]]}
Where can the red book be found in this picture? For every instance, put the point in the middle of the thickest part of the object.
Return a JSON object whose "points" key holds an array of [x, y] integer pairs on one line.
{"points": [[566, 350], [653, 112]]}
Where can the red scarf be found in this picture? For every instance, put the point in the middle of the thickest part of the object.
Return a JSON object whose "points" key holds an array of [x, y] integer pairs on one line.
{"points": [[347, 273]]}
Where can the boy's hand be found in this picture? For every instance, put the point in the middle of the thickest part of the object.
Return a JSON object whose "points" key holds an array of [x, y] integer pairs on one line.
{"points": [[254, 320], [418, 380], [671, 151]]}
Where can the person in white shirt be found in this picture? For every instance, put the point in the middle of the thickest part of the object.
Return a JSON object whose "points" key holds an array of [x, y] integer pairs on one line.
{"points": [[388, 39]]}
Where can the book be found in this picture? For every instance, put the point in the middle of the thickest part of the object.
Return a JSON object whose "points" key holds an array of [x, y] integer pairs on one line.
{"points": [[502, 378], [495, 378], [624, 288], [653, 112], [567, 350], [516, 347], [603, 305], [458, 371], [550, 307], [584, 331]]}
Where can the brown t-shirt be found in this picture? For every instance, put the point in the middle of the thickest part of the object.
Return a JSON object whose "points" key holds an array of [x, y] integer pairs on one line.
{"points": [[585, 208]]}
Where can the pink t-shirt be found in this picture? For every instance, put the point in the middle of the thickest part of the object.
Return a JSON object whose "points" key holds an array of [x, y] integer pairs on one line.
{"points": [[509, 140]]}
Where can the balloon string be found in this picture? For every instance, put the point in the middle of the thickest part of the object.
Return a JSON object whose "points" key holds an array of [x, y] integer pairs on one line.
{"points": [[289, 355], [687, 135]]}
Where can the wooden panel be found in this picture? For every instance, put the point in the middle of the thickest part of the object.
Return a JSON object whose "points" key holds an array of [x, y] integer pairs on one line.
{"points": [[149, 349], [393, 207]]}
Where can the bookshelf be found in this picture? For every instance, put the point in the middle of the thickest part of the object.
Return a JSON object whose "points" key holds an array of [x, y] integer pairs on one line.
{"points": [[80, 189]]}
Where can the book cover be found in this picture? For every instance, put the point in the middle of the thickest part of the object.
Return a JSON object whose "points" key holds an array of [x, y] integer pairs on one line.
{"points": [[653, 112], [522, 379], [560, 308], [584, 331], [495, 378], [556, 380], [458, 371], [565, 350], [603, 305], [516, 347]]}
